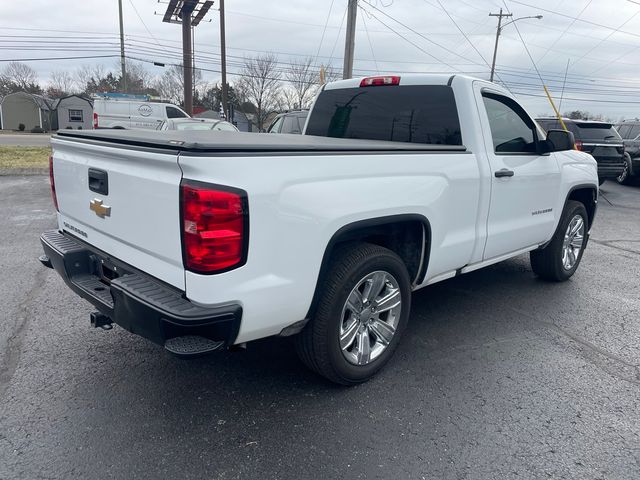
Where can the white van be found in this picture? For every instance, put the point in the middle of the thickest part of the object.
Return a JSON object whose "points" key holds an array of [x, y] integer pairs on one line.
{"points": [[114, 110]]}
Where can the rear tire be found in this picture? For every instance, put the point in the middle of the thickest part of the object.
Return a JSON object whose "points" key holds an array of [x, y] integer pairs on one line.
{"points": [[625, 178], [353, 331], [559, 260]]}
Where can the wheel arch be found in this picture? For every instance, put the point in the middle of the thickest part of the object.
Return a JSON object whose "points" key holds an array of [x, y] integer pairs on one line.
{"points": [[399, 233], [587, 194]]}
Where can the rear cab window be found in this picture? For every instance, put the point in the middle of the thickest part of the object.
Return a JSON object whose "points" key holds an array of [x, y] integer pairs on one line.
{"points": [[412, 113]]}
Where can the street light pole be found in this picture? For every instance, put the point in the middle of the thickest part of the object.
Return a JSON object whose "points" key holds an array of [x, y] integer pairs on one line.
{"points": [[499, 31], [495, 48]]}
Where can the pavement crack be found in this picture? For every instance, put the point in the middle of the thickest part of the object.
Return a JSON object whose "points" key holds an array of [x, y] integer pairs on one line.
{"points": [[608, 362], [14, 342], [608, 243], [626, 207], [602, 195]]}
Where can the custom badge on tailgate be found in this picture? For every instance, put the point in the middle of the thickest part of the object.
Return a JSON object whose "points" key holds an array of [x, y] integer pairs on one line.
{"points": [[101, 210]]}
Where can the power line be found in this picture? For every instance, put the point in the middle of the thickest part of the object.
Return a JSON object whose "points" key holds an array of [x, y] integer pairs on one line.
{"points": [[54, 58], [144, 24], [565, 31], [420, 35], [335, 44], [524, 44], [324, 30], [471, 43], [575, 18], [410, 42], [373, 55], [626, 102]]}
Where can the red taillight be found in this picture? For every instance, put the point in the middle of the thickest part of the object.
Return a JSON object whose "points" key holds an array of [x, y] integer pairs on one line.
{"points": [[214, 227], [95, 120], [53, 183], [578, 145], [380, 81]]}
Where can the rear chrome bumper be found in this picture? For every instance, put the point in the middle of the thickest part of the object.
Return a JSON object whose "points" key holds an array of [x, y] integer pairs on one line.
{"points": [[137, 302]]}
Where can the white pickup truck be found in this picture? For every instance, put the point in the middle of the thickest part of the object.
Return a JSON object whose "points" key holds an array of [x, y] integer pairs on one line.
{"points": [[199, 241]]}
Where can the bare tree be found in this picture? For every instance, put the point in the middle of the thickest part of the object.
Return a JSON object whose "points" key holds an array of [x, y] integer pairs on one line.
{"points": [[303, 80], [85, 73], [259, 85], [287, 99], [170, 85], [17, 76], [61, 83], [331, 73]]}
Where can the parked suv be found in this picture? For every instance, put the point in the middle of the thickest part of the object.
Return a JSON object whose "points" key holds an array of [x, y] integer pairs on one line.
{"points": [[290, 122], [599, 139], [629, 130]]}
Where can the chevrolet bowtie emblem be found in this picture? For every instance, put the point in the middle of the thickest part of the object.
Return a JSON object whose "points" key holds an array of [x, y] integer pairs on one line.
{"points": [[100, 209]]}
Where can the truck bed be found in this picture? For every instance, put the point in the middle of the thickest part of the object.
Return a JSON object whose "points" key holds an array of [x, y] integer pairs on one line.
{"points": [[236, 142]]}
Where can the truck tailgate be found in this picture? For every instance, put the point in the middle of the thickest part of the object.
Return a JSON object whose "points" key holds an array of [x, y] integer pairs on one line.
{"points": [[136, 218]]}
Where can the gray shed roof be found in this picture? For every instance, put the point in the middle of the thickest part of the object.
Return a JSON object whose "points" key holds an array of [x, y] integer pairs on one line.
{"points": [[42, 102], [57, 101]]}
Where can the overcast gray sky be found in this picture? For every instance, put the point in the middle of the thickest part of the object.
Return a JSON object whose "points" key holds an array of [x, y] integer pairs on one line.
{"points": [[599, 38]]}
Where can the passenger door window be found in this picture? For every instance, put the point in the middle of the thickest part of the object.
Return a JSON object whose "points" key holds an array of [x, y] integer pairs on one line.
{"points": [[173, 112], [512, 130]]}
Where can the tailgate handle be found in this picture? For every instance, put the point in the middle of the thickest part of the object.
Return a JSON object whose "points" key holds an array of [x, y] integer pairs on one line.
{"points": [[98, 181]]}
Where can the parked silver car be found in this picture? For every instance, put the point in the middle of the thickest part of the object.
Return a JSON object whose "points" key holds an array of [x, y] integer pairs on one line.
{"points": [[197, 124]]}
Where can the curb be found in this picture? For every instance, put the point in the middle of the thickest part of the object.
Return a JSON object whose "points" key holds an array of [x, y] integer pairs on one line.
{"points": [[4, 172]]}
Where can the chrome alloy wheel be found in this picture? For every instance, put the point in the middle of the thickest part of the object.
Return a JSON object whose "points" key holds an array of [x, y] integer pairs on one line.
{"points": [[370, 317], [572, 244], [625, 173]]}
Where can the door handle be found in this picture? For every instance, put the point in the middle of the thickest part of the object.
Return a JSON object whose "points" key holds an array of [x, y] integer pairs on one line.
{"points": [[503, 172]]}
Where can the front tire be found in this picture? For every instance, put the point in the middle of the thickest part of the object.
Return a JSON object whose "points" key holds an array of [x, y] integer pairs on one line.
{"points": [[559, 260], [362, 309]]}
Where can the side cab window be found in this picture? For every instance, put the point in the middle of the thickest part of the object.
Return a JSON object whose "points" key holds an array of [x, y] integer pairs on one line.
{"points": [[512, 131]]}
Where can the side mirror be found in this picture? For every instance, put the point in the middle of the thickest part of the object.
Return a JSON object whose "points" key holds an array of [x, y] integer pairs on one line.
{"points": [[558, 141]]}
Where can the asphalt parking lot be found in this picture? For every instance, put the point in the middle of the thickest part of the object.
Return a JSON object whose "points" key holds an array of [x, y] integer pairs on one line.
{"points": [[499, 375]]}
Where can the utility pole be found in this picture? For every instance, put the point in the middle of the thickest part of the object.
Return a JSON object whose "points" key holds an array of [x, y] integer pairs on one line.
{"points": [[122, 60], [223, 64], [495, 48], [188, 13], [349, 44], [193, 59], [187, 59]]}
